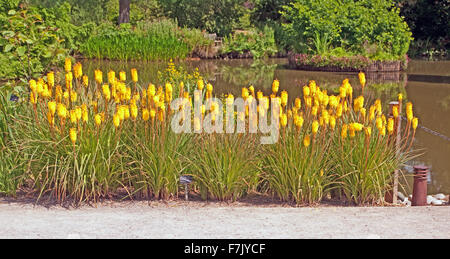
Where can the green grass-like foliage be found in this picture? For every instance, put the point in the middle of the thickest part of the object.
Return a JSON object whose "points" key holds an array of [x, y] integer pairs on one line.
{"points": [[297, 173], [160, 40], [225, 166]]}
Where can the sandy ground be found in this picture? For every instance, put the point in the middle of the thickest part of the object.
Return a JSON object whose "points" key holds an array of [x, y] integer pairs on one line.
{"points": [[211, 220]]}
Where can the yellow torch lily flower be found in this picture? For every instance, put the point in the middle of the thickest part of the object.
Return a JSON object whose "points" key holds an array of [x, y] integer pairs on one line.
{"points": [[98, 75], [116, 120], [315, 127], [390, 126], [52, 107], [307, 141], [122, 76], [98, 119], [51, 79], [73, 135], [362, 79], [275, 86], [134, 75], [68, 65], [415, 123]]}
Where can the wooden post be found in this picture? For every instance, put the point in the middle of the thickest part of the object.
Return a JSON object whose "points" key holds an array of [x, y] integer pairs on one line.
{"points": [[398, 124]]}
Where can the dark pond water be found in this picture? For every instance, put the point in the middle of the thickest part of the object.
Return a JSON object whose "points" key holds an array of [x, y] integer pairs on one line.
{"points": [[426, 84]]}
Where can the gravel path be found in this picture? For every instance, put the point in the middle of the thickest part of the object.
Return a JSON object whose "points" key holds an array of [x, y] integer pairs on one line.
{"points": [[202, 220]]}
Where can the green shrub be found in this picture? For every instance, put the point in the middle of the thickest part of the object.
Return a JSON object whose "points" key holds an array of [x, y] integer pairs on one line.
{"points": [[261, 44], [371, 28], [29, 44], [214, 16]]}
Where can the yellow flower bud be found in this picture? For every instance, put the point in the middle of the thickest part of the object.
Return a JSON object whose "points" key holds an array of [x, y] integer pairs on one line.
{"points": [[73, 116], [116, 120], [315, 127], [298, 121], [332, 122], [98, 119], [307, 141], [134, 75], [275, 86], [200, 84], [33, 98], [283, 120], [306, 91], [122, 76], [62, 110], [85, 81], [98, 75], [68, 65], [51, 79], [395, 111], [52, 107], [78, 70], [73, 135], [111, 77], [357, 126], [134, 110], [362, 79], [390, 126], [344, 131], [415, 123], [298, 103], [284, 98]]}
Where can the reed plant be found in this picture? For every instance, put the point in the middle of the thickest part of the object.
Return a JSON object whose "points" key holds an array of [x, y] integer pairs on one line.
{"points": [[155, 156], [11, 165], [69, 159], [225, 166], [297, 168], [12, 169], [160, 40], [364, 162]]}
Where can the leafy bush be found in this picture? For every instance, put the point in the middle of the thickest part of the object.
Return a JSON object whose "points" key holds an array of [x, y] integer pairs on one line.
{"points": [[370, 28], [29, 45], [214, 16], [260, 44]]}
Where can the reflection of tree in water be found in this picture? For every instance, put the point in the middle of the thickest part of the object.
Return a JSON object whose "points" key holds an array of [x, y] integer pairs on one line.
{"points": [[259, 75]]}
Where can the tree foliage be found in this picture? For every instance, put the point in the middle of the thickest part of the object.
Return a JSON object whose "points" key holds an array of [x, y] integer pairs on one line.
{"points": [[214, 16], [369, 27], [29, 44]]}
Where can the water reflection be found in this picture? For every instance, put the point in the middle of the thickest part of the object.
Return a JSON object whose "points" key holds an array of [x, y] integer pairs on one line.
{"points": [[425, 83]]}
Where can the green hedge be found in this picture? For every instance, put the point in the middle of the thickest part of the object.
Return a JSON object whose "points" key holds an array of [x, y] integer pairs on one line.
{"points": [[373, 28]]}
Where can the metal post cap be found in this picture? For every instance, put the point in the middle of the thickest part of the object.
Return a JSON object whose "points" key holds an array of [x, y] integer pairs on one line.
{"points": [[421, 169]]}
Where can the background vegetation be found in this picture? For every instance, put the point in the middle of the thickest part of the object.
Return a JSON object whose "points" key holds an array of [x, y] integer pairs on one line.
{"points": [[40, 33]]}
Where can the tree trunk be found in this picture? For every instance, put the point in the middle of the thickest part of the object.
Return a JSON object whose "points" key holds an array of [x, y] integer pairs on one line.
{"points": [[124, 11]]}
